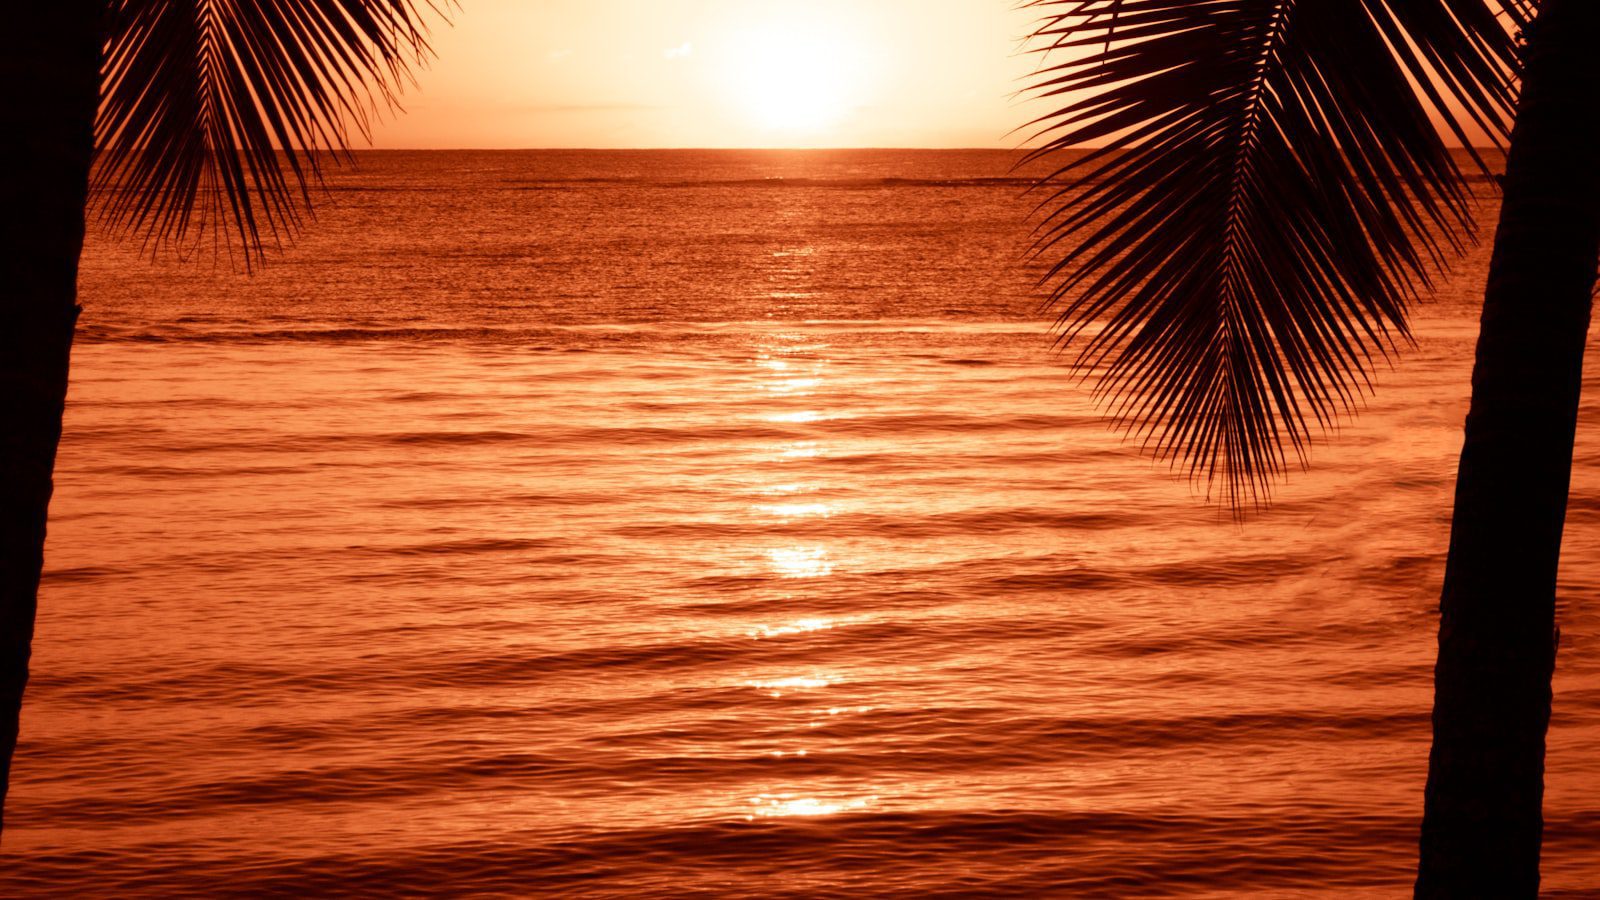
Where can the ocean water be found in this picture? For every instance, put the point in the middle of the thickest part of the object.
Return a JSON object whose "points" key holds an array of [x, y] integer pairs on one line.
{"points": [[718, 525]]}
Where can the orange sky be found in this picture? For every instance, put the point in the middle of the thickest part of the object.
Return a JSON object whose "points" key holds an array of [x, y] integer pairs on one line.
{"points": [[719, 73]]}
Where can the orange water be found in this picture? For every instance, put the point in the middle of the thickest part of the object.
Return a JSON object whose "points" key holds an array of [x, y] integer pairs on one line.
{"points": [[636, 525]]}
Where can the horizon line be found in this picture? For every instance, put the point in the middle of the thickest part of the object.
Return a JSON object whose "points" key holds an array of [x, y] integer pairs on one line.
{"points": [[685, 149], [829, 149]]}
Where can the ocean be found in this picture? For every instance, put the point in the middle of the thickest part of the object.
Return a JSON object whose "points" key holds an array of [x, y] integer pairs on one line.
{"points": [[719, 524]]}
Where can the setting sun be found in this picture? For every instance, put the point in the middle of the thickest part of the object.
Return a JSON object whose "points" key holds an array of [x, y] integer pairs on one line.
{"points": [[798, 76], [718, 73]]}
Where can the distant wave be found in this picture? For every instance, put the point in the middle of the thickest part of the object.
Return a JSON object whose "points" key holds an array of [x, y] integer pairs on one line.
{"points": [[658, 182], [549, 338], [1014, 853], [774, 182], [783, 182]]}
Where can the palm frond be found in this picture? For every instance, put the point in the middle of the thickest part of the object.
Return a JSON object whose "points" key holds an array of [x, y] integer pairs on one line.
{"points": [[1268, 186], [216, 115]]}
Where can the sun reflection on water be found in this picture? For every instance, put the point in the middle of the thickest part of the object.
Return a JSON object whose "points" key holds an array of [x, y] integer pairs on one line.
{"points": [[797, 510], [800, 626], [796, 681], [801, 417], [793, 385], [774, 805], [793, 495], [800, 562]]}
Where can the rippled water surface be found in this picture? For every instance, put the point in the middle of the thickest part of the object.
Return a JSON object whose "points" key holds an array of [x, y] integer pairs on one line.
{"points": [[718, 525]]}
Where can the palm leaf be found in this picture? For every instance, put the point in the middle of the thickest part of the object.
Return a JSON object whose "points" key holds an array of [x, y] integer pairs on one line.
{"points": [[1270, 187], [216, 115]]}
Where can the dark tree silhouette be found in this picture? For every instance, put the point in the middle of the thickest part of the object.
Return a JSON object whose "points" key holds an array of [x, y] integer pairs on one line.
{"points": [[1270, 192], [212, 120], [1497, 633]]}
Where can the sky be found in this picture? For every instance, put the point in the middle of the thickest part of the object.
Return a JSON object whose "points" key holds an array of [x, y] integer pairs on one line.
{"points": [[719, 73]]}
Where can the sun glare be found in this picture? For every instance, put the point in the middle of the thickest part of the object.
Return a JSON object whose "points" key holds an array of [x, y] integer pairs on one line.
{"points": [[798, 77]]}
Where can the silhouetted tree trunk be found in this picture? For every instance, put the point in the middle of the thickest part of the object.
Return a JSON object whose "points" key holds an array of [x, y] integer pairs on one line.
{"points": [[1483, 823], [49, 85]]}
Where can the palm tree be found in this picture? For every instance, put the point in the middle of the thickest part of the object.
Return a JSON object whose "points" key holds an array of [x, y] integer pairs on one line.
{"points": [[214, 119], [1271, 188]]}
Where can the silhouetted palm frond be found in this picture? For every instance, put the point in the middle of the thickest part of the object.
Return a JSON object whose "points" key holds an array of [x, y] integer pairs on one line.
{"points": [[1269, 190], [199, 97]]}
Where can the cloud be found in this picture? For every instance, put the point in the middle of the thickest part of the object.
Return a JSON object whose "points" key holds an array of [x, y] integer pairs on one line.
{"points": [[681, 51], [558, 56]]}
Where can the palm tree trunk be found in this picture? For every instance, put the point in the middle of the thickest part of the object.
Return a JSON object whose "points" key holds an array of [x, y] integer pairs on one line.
{"points": [[1482, 821], [49, 85]]}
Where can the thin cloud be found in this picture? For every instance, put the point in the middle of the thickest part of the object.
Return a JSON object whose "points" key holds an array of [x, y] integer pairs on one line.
{"points": [[682, 51]]}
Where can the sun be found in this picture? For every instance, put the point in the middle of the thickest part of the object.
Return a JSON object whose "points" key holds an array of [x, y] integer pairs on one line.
{"points": [[797, 76]]}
